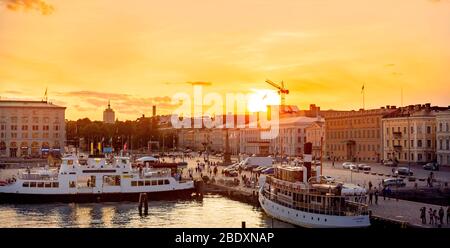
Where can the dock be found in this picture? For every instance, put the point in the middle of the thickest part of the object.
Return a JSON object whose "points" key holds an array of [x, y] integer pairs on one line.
{"points": [[406, 213]]}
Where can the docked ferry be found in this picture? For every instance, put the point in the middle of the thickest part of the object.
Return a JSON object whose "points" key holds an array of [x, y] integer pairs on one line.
{"points": [[295, 196], [95, 179]]}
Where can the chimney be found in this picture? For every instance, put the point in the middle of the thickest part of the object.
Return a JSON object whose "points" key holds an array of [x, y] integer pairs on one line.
{"points": [[307, 159], [154, 110]]}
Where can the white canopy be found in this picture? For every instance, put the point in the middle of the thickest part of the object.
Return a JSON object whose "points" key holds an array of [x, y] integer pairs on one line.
{"points": [[147, 159]]}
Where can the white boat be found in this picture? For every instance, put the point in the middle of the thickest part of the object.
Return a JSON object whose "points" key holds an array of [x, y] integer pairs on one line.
{"points": [[96, 179], [289, 197]]}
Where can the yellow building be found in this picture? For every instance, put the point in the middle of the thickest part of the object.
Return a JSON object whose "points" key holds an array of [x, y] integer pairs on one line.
{"points": [[355, 135], [443, 137]]}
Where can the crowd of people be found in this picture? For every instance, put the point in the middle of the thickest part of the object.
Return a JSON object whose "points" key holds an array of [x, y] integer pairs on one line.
{"points": [[436, 218]]}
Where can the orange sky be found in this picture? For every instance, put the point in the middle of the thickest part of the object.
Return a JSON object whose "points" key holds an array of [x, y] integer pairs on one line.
{"points": [[140, 52]]}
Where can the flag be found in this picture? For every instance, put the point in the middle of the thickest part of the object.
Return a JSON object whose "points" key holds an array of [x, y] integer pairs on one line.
{"points": [[362, 89], [125, 147]]}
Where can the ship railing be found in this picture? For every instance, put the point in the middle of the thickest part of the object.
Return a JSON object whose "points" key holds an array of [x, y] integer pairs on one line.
{"points": [[347, 209]]}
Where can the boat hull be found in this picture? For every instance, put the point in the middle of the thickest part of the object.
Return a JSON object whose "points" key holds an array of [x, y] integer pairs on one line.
{"points": [[91, 197], [311, 220]]}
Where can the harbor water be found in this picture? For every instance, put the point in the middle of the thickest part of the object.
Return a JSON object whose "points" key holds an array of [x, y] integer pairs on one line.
{"points": [[212, 211]]}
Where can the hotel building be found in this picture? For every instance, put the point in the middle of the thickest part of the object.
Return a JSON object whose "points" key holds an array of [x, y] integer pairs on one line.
{"points": [[31, 128]]}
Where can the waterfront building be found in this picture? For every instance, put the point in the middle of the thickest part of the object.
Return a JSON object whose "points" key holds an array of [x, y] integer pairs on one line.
{"points": [[109, 115], [31, 128], [409, 134], [443, 137], [355, 135]]}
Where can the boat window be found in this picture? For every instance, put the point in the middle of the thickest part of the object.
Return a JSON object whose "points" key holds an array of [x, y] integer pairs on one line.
{"points": [[48, 185], [133, 183], [140, 183], [55, 185], [154, 182], [72, 184], [32, 184], [40, 185], [166, 181], [160, 182], [26, 184], [147, 183]]}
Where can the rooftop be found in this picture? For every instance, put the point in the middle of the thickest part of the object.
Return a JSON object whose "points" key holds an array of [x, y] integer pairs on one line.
{"points": [[23, 103]]}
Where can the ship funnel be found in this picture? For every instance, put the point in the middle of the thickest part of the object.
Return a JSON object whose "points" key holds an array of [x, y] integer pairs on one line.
{"points": [[307, 159]]}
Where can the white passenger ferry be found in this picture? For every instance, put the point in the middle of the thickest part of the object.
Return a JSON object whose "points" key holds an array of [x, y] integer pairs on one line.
{"points": [[289, 196], [94, 180]]}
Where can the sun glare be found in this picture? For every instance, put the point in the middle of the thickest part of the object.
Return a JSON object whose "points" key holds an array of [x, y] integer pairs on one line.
{"points": [[260, 99]]}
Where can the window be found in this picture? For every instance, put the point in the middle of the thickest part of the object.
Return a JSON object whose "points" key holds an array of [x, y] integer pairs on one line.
{"points": [[56, 135], [147, 183], [26, 184], [35, 127], [140, 183], [154, 182], [14, 135], [45, 135], [3, 127], [419, 143], [412, 129], [56, 128], [412, 143], [55, 185], [428, 143], [13, 127], [24, 128], [447, 145], [160, 182], [387, 143], [133, 183], [40, 184], [48, 185], [45, 128], [32, 184], [428, 129], [419, 157], [440, 127], [166, 181], [440, 144], [24, 135]]}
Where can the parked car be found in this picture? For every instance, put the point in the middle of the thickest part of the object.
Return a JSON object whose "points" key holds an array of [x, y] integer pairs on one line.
{"points": [[395, 182], [346, 165], [390, 163], [404, 171], [431, 166], [267, 171], [364, 167], [328, 179], [259, 168], [354, 167]]}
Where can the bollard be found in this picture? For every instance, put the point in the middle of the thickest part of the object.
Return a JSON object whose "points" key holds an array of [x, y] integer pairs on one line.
{"points": [[243, 224]]}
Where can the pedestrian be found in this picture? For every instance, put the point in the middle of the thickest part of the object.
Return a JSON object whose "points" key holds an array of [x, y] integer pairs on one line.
{"points": [[435, 217], [423, 215], [441, 215], [376, 196], [370, 185], [370, 196], [448, 214], [430, 213]]}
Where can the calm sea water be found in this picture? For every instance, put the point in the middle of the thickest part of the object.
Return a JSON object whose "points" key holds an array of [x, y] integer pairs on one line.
{"points": [[212, 211]]}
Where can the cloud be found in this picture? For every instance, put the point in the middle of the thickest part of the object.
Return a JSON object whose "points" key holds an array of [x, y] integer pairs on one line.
{"points": [[39, 5], [122, 103]]}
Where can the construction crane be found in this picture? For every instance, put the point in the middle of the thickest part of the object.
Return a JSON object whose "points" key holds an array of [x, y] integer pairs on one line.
{"points": [[282, 91]]}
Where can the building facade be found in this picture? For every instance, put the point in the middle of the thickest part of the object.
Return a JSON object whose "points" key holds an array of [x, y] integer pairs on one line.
{"points": [[355, 135], [443, 138], [109, 115], [315, 134], [31, 128]]}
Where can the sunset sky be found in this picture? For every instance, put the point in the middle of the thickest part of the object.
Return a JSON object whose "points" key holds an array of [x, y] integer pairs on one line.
{"points": [[141, 52]]}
